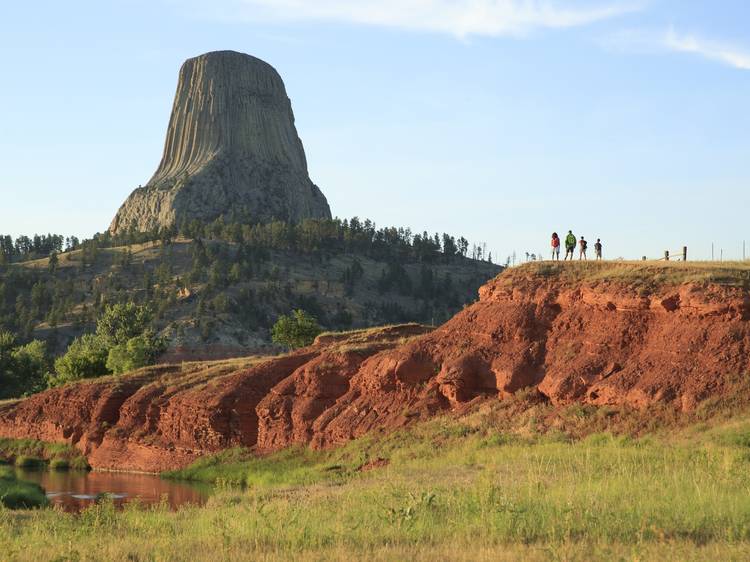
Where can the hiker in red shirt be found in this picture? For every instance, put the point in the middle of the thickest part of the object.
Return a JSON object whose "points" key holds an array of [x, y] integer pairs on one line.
{"points": [[555, 246]]}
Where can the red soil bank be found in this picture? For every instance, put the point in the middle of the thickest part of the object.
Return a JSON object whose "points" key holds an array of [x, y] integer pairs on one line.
{"points": [[601, 342]]}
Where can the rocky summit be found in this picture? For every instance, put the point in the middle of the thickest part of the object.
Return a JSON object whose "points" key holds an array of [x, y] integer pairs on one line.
{"points": [[231, 149]]}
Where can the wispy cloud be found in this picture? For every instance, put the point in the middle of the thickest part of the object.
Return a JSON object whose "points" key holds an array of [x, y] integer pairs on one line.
{"points": [[651, 41], [461, 18], [727, 54]]}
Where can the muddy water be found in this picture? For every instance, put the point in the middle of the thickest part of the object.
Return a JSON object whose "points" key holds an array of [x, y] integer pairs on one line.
{"points": [[75, 490]]}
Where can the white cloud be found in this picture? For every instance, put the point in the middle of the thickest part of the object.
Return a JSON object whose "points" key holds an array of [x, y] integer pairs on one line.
{"points": [[644, 41], [461, 18], [727, 54]]}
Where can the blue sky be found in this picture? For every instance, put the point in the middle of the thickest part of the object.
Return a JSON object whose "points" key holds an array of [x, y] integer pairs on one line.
{"points": [[500, 120]]}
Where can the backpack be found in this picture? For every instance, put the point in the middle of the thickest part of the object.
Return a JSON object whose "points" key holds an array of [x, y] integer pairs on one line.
{"points": [[584, 244]]}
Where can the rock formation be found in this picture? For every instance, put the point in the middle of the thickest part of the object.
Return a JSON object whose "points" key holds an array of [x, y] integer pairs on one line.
{"points": [[232, 149], [598, 341]]}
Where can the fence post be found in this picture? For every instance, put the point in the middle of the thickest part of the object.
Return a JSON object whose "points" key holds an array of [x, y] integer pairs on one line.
{"points": [[684, 253], [666, 255]]}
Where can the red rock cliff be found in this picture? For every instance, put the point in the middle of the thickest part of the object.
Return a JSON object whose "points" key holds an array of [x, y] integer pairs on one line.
{"points": [[582, 333]]}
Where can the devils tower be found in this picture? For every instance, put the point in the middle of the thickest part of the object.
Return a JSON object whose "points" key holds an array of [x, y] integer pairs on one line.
{"points": [[232, 149]]}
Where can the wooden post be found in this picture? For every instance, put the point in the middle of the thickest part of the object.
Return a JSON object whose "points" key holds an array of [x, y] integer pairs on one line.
{"points": [[684, 253], [666, 255]]}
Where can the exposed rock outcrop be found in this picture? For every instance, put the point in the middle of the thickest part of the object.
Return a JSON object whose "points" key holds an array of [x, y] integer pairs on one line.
{"points": [[596, 340], [232, 149]]}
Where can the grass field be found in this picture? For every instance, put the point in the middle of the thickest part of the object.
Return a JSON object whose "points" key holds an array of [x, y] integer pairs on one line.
{"points": [[487, 486], [638, 273]]}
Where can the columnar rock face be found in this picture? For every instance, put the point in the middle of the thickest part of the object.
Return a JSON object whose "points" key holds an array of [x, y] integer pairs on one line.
{"points": [[232, 149]]}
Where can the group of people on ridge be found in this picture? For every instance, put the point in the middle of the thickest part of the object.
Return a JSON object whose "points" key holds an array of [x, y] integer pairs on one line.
{"points": [[570, 247]]}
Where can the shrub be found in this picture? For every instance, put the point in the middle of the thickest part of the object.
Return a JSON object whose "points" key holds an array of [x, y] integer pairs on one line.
{"points": [[59, 464], [22, 461], [22, 368], [16, 494], [137, 352], [121, 343], [295, 330], [86, 358], [122, 322]]}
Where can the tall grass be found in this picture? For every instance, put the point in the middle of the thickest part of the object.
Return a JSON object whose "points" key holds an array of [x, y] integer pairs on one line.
{"points": [[451, 489], [16, 494], [30, 453]]}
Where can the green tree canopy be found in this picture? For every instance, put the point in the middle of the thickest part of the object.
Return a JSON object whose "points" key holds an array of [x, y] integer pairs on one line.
{"points": [[122, 322], [295, 330], [122, 342], [137, 352], [86, 358], [22, 368]]}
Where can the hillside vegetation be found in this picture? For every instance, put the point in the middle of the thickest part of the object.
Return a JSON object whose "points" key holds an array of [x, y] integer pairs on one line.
{"points": [[216, 290]]}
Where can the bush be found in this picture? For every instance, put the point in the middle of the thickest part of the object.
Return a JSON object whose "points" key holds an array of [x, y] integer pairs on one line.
{"points": [[22, 368], [16, 494], [296, 330], [32, 364], [22, 461], [122, 322], [86, 358], [59, 464], [137, 352], [122, 343]]}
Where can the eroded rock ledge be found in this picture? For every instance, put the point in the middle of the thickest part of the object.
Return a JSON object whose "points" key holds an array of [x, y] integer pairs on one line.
{"points": [[592, 341]]}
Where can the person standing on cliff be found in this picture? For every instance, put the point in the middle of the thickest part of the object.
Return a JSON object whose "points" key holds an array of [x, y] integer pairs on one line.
{"points": [[583, 244], [598, 249], [570, 245], [555, 247]]}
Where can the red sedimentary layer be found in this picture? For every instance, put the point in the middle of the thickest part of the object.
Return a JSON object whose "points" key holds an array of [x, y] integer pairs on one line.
{"points": [[603, 342]]}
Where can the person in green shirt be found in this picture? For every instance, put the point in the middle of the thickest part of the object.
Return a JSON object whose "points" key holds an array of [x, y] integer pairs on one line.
{"points": [[570, 245]]}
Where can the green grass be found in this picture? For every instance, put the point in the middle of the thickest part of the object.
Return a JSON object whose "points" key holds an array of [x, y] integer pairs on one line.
{"points": [[59, 464], [23, 461], [504, 482], [17, 494], [291, 467], [648, 274], [32, 453]]}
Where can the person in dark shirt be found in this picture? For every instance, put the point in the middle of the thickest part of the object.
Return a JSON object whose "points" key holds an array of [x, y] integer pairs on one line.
{"points": [[598, 249], [583, 245]]}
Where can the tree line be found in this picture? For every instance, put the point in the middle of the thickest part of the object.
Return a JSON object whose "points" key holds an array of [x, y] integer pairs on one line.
{"points": [[311, 235], [24, 248]]}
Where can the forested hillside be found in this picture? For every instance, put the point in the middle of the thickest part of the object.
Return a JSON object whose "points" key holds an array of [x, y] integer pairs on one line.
{"points": [[216, 290]]}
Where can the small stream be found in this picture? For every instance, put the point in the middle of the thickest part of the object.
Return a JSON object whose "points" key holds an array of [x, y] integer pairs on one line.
{"points": [[75, 490]]}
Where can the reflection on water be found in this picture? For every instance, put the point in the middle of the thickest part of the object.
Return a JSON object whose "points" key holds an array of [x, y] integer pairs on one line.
{"points": [[75, 490]]}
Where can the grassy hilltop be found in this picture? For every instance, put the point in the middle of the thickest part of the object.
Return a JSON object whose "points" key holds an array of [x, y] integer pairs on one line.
{"points": [[637, 273]]}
